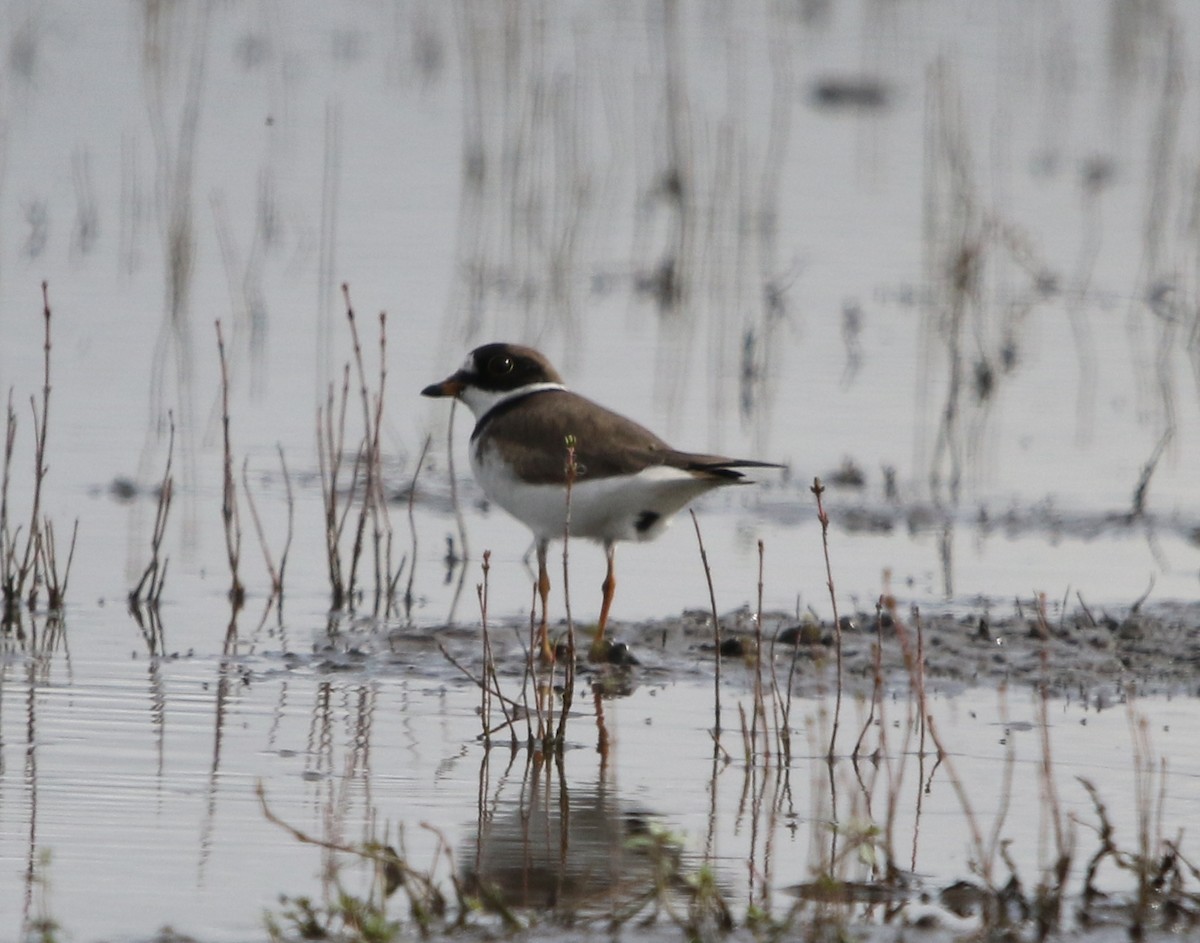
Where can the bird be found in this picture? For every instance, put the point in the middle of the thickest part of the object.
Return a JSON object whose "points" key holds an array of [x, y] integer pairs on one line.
{"points": [[626, 482]]}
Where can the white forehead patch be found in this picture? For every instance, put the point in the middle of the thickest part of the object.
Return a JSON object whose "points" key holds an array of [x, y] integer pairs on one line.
{"points": [[469, 363]]}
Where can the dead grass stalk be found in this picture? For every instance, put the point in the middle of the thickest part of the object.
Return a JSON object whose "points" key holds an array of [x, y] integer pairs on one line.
{"points": [[229, 504], [25, 571], [149, 588]]}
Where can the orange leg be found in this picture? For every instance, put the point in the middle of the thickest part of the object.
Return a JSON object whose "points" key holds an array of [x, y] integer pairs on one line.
{"points": [[607, 588], [543, 587]]}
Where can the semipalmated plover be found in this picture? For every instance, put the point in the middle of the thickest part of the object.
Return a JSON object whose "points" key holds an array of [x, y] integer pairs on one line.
{"points": [[628, 482]]}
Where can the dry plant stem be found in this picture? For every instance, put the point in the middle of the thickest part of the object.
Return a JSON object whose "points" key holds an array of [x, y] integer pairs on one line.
{"points": [[258, 528], [229, 513], [490, 687], [760, 710], [40, 427], [921, 680], [747, 748], [782, 701], [977, 844], [11, 590], [291, 518], [412, 529], [479, 682], [568, 695], [378, 853], [528, 670], [331, 453], [381, 524], [489, 667], [460, 556], [373, 507], [712, 598], [1051, 805], [367, 459], [995, 841], [895, 770], [1108, 847], [1142, 489], [56, 585], [463, 552], [877, 681], [533, 648], [914, 662], [964, 799], [36, 566], [1149, 823], [818, 490], [155, 574]]}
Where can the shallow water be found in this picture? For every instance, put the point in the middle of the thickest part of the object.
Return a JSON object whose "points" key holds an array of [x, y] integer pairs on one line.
{"points": [[941, 240], [134, 774]]}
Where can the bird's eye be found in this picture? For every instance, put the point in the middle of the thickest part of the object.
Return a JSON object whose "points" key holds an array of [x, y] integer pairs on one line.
{"points": [[500, 365]]}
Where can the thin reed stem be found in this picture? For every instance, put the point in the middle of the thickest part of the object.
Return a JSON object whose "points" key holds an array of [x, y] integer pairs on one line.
{"points": [[568, 695], [8, 575], [712, 598], [291, 518], [229, 511], [489, 667], [412, 529], [329, 459], [366, 456], [258, 528], [876, 683], [154, 576], [818, 490], [464, 552], [41, 425], [56, 583], [760, 710]]}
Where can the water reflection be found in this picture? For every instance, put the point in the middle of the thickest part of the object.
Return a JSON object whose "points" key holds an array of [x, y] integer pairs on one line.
{"points": [[33, 642], [546, 842]]}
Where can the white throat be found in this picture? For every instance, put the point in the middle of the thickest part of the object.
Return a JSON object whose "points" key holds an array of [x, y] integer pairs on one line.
{"points": [[481, 401]]}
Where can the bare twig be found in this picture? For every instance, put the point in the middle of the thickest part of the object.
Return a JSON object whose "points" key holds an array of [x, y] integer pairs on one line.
{"points": [[412, 529], [489, 664], [291, 518], [8, 574], [56, 584], [330, 441], [41, 423], [568, 695], [464, 551], [276, 586], [1142, 488], [760, 710], [818, 490], [155, 574], [229, 510], [712, 598]]}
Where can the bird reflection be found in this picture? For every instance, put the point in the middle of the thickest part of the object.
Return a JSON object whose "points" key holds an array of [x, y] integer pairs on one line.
{"points": [[543, 844]]}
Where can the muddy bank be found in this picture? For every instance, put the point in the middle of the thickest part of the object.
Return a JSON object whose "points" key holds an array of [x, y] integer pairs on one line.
{"points": [[1152, 650]]}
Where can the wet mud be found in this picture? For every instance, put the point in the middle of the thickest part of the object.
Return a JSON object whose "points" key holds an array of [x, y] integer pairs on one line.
{"points": [[1147, 651], [1151, 652]]}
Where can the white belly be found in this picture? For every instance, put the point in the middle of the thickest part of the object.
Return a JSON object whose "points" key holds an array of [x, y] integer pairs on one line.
{"points": [[606, 509]]}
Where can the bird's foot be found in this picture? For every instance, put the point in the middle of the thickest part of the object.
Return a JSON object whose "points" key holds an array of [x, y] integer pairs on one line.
{"points": [[605, 651]]}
